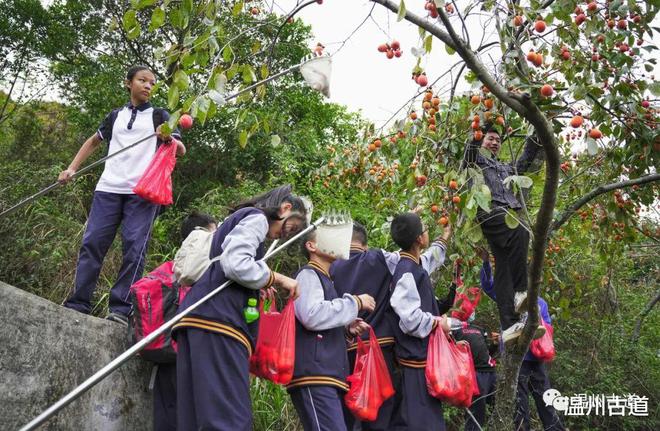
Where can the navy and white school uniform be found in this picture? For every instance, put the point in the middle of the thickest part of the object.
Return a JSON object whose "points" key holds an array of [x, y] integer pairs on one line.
{"points": [[370, 271], [215, 342], [413, 312], [115, 204], [321, 365]]}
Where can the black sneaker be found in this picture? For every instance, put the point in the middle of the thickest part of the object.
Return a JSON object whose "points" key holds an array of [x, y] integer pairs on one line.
{"points": [[119, 318]]}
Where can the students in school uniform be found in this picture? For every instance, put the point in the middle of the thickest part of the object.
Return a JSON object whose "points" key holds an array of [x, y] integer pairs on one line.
{"points": [[370, 271], [114, 202], [323, 321], [215, 341], [414, 315]]}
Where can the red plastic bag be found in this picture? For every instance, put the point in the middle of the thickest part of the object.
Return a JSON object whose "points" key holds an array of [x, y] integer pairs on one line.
{"points": [[275, 353], [544, 348], [370, 383], [450, 373], [466, 300], [155, 185]]}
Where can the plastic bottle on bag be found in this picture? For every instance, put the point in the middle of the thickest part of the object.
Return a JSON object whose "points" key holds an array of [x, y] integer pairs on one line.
{"points": [[250, 312]]}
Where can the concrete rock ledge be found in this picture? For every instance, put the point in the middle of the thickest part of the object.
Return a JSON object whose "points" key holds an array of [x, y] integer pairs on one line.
{"points": [[46, 350]]}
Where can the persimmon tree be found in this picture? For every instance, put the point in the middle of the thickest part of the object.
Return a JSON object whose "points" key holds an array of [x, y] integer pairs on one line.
{"points": [[578, 76]]}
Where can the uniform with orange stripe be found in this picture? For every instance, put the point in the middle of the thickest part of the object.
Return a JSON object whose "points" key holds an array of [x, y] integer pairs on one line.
{"points": [[414, 314], [215, 341], [370, 271], [321, 365]]}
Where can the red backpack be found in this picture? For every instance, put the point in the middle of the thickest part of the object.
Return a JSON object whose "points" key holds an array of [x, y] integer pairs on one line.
{"points": [[155, 300]]}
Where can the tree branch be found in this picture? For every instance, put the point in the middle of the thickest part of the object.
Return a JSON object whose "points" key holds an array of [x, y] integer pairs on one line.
{"points": [[643, 314], [568, 212]]}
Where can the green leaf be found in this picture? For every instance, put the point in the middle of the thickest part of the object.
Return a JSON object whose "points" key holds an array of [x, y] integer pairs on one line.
{"points": [[521, 181], [203, 105], [231, 72], [187, 6], [483, 197], [129, 21], [133, 33], [166, 129], [174, 119], [248, 74], [176, 18], [181, 80], [242, 138], [428, 43], [188, 103], [275, 141], [510, 220], [264, 71], [655, 88], [173, 97], [402, 11], [236, 10], [256, 46], [144, 3], [157, 19], [450, 50], [474, 234], [227, 54]]}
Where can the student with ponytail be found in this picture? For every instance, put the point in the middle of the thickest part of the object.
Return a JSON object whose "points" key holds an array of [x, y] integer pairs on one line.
{"points": [[215, 342]]}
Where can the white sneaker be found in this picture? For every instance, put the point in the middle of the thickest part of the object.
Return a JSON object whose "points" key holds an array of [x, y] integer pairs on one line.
{"points": [[511, 334], [520, 302]]}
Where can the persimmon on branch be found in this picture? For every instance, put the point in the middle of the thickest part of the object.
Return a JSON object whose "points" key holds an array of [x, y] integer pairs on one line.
{"points": [[572, 209]]}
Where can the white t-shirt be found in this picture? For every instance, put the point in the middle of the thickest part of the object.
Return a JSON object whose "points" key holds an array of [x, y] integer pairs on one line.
{"points": [[122, 172]]}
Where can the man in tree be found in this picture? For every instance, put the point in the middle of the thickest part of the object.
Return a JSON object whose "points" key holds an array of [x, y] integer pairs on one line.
{"points": [[509, 246]]}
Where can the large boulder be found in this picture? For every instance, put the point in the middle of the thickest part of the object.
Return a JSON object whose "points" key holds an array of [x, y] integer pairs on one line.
{"points": [[47, 350]]}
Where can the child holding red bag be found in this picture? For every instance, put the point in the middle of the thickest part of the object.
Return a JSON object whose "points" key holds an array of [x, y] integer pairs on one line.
{"points": [[114, 202], [216, 340], [322, 320], [414, 313], [370, 271]]}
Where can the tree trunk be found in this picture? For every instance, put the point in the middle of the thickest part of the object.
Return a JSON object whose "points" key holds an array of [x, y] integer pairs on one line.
{"points": [[501, 417]]}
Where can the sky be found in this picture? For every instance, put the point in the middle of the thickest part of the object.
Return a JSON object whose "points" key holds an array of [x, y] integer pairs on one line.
{"points": [[363, 78]]}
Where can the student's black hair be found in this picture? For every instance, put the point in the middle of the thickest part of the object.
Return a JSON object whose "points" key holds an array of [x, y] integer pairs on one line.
{"points": [[193, 220], [134, 70], [270, 202], [405, 229], [491, 128], [359, 234], [309, 236]]}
